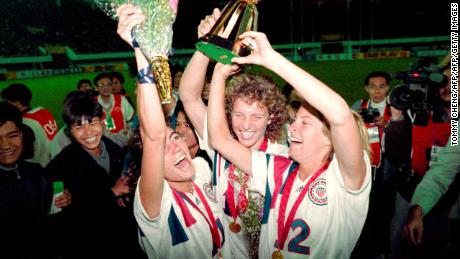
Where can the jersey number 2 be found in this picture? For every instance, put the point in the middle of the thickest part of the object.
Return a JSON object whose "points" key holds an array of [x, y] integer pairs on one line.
{"points": [[294, 244]]}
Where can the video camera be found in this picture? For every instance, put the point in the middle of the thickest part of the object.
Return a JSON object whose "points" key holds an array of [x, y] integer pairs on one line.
{"points": [[419, 87]]}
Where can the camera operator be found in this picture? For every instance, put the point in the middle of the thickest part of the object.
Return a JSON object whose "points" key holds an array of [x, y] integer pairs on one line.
{"points": [[376, 115], [419, 128], [374, 111]]}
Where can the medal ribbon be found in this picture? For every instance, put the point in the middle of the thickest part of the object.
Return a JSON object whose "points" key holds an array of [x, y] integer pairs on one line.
{"points": [[283, 229], [210, 219], [242, 199]]}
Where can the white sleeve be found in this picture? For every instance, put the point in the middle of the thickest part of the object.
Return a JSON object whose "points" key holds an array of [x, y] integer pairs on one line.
{"points": [[202, 171], [338, 175], [153, 231], [143, 218], [203, 142]]}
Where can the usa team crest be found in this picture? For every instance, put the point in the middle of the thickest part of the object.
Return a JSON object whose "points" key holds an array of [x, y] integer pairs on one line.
{"points": [[318, 192], [210, 192]]}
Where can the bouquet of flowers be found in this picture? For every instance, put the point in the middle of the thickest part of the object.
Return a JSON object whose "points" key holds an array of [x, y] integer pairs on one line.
{"points": [[154, 36], [252, 221]]}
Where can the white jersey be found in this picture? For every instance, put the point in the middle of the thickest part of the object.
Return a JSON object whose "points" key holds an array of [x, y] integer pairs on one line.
{"points": [[328, 221], [236, 245], [168, 236], [44, 128]]}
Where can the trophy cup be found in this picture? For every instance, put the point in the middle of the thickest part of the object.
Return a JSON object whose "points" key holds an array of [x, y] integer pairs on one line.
{"points": [[219, 46], [154, 36]]}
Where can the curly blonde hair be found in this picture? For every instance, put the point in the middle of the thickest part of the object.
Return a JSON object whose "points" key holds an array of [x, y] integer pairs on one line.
{"points": [[258, 88]]}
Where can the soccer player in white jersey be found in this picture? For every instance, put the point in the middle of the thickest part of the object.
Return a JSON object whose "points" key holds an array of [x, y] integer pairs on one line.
{"points": [[177, 216], [256, 111], [320, 208]]}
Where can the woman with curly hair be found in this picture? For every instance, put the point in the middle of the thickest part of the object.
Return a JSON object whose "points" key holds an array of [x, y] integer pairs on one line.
{"points": [[259, 90], [316, 200], [256, 111]]}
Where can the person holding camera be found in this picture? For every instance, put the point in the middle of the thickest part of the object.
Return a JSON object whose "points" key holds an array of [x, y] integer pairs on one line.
{"points": [[418, 130], [376, 115], [375, 112]]}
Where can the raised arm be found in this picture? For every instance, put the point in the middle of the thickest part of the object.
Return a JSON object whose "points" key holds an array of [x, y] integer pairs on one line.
{"points": [[193, 79], [152, 120], [345, 134], [219, 133]]}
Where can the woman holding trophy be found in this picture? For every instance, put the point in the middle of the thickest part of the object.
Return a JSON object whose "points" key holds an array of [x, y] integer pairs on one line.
{"points": [[177, 215], [318, 201]]}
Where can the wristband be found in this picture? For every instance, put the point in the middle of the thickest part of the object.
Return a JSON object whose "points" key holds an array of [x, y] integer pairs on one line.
{"points": [[134, 41], [144, 76]]}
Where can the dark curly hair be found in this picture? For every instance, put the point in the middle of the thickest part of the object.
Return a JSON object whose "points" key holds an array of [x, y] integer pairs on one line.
{"points": [[258, 88]]}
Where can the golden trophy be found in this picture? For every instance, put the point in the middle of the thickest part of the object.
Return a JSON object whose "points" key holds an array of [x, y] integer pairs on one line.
{"points": [[154, 36], [217, 44]]}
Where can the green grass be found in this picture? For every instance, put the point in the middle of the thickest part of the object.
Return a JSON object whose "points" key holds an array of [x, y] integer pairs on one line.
{"points": [[346, 77]]}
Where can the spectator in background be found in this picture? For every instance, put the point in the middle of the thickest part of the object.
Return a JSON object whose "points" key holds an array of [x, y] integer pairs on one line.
{"points": [[186, 130], [85, 85], [39, 119], [117, 86], [117, 111], [25, 192], [413, 140], [375, 112], [176, 73], [435, 184], [63, 138], [90, 167]]}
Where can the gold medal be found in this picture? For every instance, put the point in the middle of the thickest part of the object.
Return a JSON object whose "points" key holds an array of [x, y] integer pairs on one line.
{"points": [[235, 227], [277, 255]]}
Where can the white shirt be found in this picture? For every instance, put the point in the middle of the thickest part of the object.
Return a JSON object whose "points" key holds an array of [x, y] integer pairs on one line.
{"points": [[42, 153], [236, 245], [167, 236], [329, 219]]}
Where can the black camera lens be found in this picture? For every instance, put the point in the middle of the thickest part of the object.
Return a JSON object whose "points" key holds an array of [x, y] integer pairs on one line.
{"points": [[369, 115]]}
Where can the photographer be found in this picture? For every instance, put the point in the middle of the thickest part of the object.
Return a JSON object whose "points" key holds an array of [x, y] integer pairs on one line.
{"points": [[375, 112], [376, 115], [418, 130]]}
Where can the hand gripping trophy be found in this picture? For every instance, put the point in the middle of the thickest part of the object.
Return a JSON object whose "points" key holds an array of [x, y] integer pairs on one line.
{"points": [[154, 36], [237, 17]]}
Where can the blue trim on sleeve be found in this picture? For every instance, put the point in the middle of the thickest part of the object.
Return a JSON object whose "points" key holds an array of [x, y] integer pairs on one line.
{"points": [[178, 234]]}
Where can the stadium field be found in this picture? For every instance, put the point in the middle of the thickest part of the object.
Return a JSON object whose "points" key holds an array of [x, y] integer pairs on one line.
{"points": [[346, 77]]}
